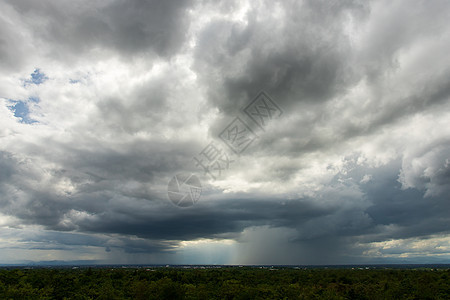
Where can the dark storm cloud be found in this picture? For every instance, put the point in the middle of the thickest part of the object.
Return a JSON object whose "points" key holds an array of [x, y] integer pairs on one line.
{"points": [[93, 210], [303, 63], [105, 208], [128, 27], [408, 209], [295, 57], [54, 240], [97, 175], [206, 221]]}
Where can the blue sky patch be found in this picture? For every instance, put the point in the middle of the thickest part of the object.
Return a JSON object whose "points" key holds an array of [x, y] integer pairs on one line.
{"points": [[73, 81], [22, 111], [37, 78]]}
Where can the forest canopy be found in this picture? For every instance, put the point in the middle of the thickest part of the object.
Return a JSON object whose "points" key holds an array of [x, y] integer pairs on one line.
{"points": [[223, 283]]}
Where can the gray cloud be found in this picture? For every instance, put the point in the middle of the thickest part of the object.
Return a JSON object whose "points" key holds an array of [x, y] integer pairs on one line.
{"points": [[130, 28]]}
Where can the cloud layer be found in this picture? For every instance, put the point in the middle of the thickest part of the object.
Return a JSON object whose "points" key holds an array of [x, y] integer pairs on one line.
{"points": [[103, 102]]}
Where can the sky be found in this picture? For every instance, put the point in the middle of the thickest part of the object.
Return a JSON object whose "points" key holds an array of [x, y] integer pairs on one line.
{"points": [[298, 132]]}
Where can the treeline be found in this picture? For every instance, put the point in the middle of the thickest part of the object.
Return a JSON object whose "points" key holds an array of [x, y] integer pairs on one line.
{"points": [[224, 283]]}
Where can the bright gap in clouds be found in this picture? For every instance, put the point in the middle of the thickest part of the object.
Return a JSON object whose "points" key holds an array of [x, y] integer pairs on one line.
{"points": [[21, 108], [22, 111]]}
